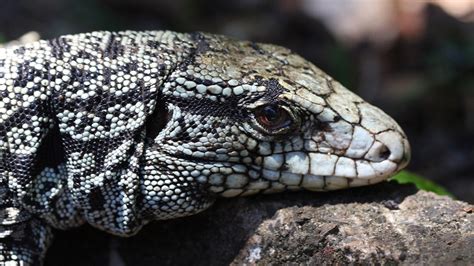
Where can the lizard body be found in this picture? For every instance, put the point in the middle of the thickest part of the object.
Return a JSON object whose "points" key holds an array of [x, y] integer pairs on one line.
{"points": [[116, 129]]}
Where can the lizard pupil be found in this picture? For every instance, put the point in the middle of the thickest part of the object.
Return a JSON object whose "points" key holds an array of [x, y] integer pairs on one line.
{"points": [[271, 113]]}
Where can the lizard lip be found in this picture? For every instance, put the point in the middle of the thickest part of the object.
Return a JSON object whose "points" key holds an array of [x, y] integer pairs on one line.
{"points": [[321, 183], [325, 171], [328, 164]]}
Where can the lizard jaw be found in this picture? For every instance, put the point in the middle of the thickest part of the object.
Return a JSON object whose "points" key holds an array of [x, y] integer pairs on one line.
{"points": [[315, 169], [323, 171]]}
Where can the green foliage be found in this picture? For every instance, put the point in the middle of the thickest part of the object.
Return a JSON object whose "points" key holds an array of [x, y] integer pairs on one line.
{"points": [[422, 183]]}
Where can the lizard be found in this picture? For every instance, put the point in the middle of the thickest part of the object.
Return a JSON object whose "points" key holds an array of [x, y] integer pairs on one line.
{"points": [[117, 129]]}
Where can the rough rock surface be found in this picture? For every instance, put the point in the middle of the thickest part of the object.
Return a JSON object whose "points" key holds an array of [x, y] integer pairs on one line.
{"points": [[386, 223]]}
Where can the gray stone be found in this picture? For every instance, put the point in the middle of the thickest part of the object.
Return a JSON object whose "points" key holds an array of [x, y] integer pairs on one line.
{"points": [[386, 223]]}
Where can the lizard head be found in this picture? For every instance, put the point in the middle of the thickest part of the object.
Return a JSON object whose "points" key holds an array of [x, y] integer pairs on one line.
{"points": [[255, 118]]}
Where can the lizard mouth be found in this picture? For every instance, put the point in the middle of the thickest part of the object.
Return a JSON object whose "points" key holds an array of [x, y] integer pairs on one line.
{"points": [[315, 170], [273, 181], [325, 171], [311, 182]]}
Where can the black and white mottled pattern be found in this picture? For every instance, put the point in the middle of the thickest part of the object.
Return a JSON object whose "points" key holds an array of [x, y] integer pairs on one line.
{"points": [[116, 129]]}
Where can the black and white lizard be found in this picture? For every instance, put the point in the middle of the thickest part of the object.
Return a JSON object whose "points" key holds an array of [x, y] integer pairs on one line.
{"points": [[116, 129]]}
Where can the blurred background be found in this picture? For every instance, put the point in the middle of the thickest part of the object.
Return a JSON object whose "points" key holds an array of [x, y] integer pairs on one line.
{"points": [[412, 58]]}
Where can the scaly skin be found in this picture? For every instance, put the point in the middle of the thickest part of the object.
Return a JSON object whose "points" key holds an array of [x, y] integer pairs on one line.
{"points": [[118, 129]]}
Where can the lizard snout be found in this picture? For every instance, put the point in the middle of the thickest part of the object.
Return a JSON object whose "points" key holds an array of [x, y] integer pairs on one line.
{"points": [[389, 145]]}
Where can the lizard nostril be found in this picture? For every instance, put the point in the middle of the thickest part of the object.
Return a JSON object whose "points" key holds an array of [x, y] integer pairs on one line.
{"points": [[384, 152], [378, 153]]}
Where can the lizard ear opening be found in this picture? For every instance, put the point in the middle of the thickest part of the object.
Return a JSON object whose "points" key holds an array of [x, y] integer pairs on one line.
{"points": [[50, 152], [157, 121]]}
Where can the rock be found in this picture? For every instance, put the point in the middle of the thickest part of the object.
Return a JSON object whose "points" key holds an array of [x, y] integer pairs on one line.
{"points": [[385, 223]]}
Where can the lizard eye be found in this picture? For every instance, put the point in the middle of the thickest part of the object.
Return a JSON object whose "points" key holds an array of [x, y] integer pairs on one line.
{"points": [[274, 119]]}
